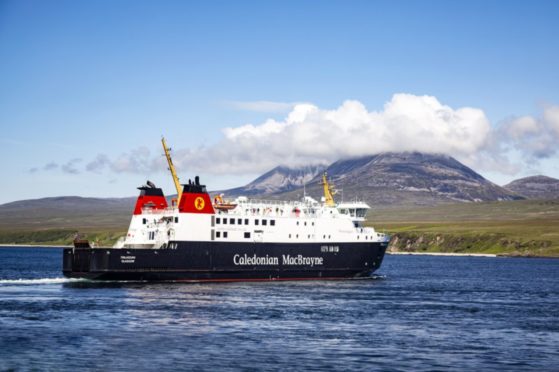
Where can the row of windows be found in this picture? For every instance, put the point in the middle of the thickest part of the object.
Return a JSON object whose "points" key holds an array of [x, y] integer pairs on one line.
{"points": [[305, 223], [239, 221], [219, 234], [309, 236], [145, 220]]}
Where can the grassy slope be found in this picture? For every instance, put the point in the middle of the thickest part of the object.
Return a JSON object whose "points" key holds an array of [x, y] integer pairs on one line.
{"points": [[527, 227], [60, 228]]}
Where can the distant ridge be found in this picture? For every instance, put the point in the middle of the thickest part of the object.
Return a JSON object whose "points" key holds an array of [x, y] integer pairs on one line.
{"points": [[535, 187], [66, 212]]}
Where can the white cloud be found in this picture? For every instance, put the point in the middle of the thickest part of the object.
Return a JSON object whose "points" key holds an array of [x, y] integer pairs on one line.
{"points": [[310, 135], [535, 138]]}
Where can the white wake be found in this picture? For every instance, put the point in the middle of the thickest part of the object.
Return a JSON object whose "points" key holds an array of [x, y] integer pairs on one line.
{"points": [[40, 281]]}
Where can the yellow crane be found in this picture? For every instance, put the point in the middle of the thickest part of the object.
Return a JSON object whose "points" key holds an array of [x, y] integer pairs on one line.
{"points": [[172, 169], [328, 192]]}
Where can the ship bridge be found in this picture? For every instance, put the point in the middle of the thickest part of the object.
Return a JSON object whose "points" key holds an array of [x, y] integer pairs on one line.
{"points": [[356, 210]]}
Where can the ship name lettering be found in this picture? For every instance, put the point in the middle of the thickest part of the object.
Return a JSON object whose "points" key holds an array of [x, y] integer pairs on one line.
{"points": [[254, 260], [302, 260]]}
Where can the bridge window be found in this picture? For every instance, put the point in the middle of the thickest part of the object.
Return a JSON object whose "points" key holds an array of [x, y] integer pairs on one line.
{"points": [[144, 221], [256, 222], [264, 222], [246, 221], [225, 221], [232, 221], [218, 220], [239, 221], [272, 222], [176, 220]]}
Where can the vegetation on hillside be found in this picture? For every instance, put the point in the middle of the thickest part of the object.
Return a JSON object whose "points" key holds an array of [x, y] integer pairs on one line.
{"points": [[514, 228]]}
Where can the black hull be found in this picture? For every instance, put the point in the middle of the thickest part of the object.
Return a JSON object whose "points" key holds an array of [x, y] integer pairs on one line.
{"points": [[221, 261]]}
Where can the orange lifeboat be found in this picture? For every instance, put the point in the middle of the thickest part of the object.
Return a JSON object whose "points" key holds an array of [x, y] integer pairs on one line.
{"points": [[222, 205]]}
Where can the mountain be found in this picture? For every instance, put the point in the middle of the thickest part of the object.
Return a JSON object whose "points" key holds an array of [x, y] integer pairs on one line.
{"points": [[535, 187], [278, 180], [395, 179]]}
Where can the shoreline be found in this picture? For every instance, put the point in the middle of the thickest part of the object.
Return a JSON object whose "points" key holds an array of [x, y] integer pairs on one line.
{"points": [[447, 254]]}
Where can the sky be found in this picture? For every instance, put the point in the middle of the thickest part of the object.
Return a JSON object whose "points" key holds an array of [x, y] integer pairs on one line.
{"points": [[87, 89]]}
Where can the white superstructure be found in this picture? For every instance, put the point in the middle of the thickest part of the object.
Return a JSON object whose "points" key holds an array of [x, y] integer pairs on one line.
{"points": [[246, 220]]}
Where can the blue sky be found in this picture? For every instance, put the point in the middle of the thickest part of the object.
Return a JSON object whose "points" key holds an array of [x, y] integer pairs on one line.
{"points": [[87, 86]]}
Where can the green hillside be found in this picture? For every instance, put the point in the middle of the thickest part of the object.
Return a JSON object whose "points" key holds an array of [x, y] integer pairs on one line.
{"points": [[523, 227]]}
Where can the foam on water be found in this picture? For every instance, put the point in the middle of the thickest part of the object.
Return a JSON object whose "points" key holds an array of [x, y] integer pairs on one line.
{"points": [[25, 281]]}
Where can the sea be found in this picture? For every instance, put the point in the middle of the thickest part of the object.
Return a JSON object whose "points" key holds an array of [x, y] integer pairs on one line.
{"points": [[417, 313]]}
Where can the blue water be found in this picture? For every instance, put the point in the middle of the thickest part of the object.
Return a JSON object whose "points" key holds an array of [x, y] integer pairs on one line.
{"points": [[421, 313]]}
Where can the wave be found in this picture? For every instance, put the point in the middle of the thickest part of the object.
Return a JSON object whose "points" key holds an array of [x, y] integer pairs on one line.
{"points": [[25, 281]]}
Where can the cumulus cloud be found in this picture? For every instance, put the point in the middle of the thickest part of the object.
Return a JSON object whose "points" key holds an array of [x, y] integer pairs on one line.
{"points": [[535, 138], [311, 135]]}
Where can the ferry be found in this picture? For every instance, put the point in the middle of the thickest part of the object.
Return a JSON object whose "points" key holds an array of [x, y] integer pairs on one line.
{"points": [[197, 238]]}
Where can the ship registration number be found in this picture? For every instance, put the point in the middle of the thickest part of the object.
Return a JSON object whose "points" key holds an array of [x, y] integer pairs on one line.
{"points": [[329, 248]]}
